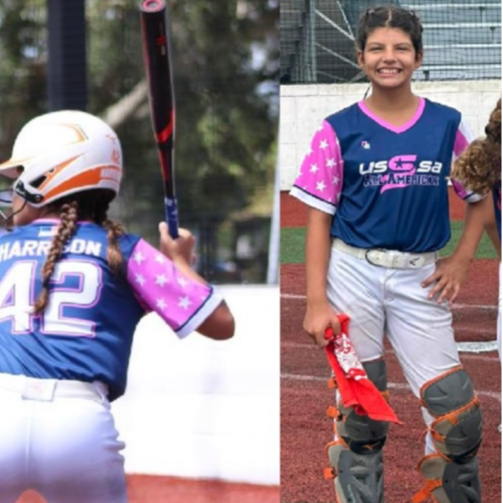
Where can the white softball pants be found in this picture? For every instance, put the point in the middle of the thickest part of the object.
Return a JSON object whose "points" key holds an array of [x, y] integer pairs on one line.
{"points": [[388, 301], [59, 439]]}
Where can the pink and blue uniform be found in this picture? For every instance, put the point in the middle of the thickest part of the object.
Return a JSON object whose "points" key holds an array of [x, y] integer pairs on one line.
{"points": [[386, 186], [86, 331]]}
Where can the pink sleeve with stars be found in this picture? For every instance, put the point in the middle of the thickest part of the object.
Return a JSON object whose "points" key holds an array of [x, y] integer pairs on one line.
{"points": [[181, 302], [319, 182], [464, 137]]}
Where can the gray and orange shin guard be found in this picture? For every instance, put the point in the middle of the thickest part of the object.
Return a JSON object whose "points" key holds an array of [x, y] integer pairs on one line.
{"points": [[452, 472], [355, 457]]}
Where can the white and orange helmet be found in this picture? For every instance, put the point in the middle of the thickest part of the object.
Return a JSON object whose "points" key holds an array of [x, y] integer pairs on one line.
{"points": [[62, 153]]}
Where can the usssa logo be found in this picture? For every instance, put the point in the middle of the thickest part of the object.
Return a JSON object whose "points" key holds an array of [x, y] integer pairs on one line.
{"points": [[399, 172]]}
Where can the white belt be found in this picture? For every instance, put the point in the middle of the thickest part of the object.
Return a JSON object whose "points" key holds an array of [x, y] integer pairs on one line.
{"points": [[391, 259], [46, 390]]}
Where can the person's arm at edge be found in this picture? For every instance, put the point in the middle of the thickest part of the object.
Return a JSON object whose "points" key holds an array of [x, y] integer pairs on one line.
{"points": [[492, 232], [319, 313]]}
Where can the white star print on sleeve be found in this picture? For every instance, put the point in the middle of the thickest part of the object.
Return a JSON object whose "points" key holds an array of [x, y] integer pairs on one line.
{"points": [[319, 182], [181, 302]]}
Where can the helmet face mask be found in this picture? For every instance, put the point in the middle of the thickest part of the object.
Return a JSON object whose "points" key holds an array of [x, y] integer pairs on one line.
{"points": [[6, 194], [6, 200], [63, 153]]}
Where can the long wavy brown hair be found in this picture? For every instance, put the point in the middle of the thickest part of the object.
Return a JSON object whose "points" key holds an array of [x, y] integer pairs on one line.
{"points": [[479, 167], [92, 206]]}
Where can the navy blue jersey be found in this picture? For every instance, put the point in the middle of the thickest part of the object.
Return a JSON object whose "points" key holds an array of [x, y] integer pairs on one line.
{"points": [[86, 330], [386, 186]]}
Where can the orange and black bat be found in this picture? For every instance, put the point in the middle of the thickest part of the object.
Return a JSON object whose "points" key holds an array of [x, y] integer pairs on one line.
{"points": [[156, 55]]}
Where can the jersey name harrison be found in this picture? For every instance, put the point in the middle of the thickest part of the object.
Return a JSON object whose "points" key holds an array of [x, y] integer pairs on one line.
{"points": [[35, 248], [399, 172]]}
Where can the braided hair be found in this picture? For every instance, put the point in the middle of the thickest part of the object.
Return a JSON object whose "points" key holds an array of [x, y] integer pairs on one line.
{"points": [[389, 16], [93, 206], [479, 166]]}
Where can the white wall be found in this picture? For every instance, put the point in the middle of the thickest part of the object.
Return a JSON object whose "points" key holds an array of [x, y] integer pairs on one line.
{"points": [[199, 408], [303, 107]]}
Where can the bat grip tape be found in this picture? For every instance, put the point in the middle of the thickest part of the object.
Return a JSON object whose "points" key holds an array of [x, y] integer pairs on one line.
{"points": [[171, 212]]}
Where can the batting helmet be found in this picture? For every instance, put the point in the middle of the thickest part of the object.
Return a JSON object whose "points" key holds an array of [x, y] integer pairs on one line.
{"points": [[62, 153]]}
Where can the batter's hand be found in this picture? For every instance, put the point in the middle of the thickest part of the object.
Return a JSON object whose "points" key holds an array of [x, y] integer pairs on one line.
{"points": [[318, 317], [449, 275], [180, 249]]}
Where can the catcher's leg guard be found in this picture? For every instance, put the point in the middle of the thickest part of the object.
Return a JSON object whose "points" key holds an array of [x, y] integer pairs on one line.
{"points": [[356, 456], [452, 474]]}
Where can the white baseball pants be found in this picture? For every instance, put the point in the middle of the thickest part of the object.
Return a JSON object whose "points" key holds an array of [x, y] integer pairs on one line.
{"points": [[59, 439], [388, 301]]}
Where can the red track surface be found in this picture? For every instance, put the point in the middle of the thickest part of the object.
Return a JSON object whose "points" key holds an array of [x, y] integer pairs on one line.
{"points": [[305, 429], [149, 489]]}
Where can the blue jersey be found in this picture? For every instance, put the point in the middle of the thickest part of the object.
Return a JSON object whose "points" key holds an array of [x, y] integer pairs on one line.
{"points": [[386, 186], [86, 330], [497, 207]]}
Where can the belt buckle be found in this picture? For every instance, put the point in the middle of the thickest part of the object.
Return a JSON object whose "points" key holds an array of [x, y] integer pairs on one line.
{"points": [[375, 261], [399, 261]]}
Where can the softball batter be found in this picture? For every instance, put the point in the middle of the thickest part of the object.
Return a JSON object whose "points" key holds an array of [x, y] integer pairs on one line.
{"points": [[73, 287], [375, 181]]}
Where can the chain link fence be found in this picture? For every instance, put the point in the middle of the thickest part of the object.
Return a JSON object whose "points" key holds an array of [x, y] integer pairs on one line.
{"points": [[462, 39]]}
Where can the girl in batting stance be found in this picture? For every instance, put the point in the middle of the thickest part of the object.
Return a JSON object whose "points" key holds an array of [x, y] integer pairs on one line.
{"points": [[375, 181], [73, 287], [479, 169]]}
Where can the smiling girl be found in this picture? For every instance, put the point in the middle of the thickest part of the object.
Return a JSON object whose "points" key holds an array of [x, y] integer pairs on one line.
{"points": [[375, 181]]}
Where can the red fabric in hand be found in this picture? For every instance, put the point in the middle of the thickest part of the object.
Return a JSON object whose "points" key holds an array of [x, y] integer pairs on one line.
{"points": [[356, 389]]}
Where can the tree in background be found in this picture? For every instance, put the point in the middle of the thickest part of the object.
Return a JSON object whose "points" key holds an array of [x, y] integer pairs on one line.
{"points": [[23, 57], [225, 54]]}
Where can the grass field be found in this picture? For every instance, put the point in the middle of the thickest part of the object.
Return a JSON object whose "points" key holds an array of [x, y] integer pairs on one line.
{"points": [[292, 244]]}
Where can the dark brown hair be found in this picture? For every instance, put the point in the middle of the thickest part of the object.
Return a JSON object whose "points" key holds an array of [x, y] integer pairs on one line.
{"points": [[90, 205], [390, 16], [479, 167]]}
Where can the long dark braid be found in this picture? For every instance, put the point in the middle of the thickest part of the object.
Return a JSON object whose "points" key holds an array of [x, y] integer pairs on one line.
{"points": [[66, 229], [90, 205], [115, 231]]}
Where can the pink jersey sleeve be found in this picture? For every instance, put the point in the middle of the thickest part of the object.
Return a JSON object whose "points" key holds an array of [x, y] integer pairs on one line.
{"points": [[464, 137], [319, 182], [181, 302]]}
